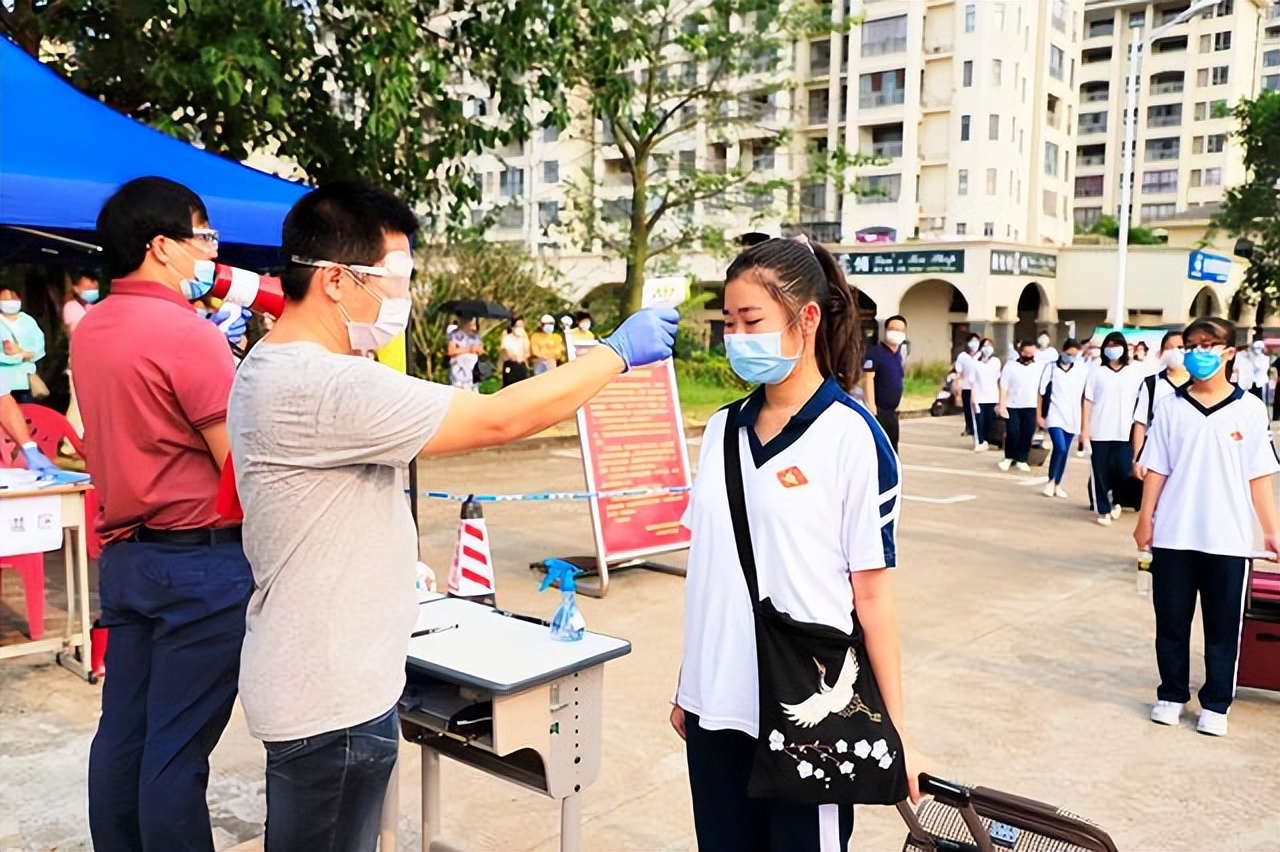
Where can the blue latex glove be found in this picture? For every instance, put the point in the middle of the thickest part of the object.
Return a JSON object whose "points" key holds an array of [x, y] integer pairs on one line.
{"points": [[232, 321], [644, 337], [38, 462]]}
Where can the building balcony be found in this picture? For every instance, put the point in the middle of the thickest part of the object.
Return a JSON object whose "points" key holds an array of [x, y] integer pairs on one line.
{"points": [[1167, 88], [1100, 29], [1089, 161], [885, 47], [1092, 127], [1089, 193], [823, 232], [887, 150], [1165, 121], [937, 51]]}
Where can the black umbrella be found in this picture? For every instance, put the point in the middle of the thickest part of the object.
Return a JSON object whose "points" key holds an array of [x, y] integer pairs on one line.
{"points": [[476, 308]]}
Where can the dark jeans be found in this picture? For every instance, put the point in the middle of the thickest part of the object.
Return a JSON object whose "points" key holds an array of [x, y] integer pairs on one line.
{"points": [[984, 419], [966, 403], [513, 371], [1177, 576], [324, 793], [1018, 432], [725, 820], [888, 420], [22, 396], [176, 616], [1061, 440], [1112, 471]]}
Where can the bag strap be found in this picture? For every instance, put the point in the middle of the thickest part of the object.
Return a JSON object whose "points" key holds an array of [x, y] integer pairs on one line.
{"points": [[738, 499]]}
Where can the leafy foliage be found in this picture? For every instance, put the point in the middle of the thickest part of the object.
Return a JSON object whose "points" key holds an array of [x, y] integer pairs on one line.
{"points": [[1109, 226], [383, 90], [1252, 209]]}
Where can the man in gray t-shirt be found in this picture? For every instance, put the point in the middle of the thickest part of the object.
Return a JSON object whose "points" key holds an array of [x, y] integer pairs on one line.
{"points": [[319, 436]]}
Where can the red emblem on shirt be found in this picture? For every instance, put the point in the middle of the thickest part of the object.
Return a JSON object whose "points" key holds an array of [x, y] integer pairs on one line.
{"points": [[792, 477], [1237, 437]]}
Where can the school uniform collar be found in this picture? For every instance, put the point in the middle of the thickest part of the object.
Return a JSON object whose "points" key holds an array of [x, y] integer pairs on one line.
{"points": [[745, 417], [1184, 392]]}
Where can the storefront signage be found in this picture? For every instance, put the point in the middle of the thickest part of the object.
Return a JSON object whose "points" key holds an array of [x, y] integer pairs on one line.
{"points": [[903, 262], [1038, 264]]}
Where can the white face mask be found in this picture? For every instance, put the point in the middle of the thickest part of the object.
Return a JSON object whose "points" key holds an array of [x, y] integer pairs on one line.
{"points": [[1172, 359], [973, 345], [895, 337], [1042, 341], [585, 325], [393, 319], [10, 307], [988, 351], [549, 327]]}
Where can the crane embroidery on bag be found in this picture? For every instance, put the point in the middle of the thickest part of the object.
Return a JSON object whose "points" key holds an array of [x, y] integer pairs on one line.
{"points": [[839, 699]]}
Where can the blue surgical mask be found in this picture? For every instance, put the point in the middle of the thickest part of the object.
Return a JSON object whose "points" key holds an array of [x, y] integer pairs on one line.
{"points": [[758, 358], [1202, 365], [1113, 353], [201, 282], [89, 296], [1066, 360]]}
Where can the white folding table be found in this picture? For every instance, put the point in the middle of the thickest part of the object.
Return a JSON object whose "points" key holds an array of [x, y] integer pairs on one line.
{"points": [[494, 691]]}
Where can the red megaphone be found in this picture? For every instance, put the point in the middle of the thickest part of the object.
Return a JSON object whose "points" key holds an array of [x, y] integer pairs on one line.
{"points": [[260, 293]]}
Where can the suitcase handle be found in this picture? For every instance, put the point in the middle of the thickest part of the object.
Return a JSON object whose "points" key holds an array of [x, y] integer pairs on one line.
{"points": [[956, 795]]}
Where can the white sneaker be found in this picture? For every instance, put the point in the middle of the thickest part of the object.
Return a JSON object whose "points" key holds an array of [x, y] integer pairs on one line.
{"points": [[981, 448], [1023, 466], [1061, 492], [1213, 724], [1050, 490], [1115, 512], [1104, 520], [1005, 464], [1168, 713]]}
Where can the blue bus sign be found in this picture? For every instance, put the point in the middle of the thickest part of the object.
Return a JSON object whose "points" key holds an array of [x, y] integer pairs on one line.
{"points": [[1206, 266]]}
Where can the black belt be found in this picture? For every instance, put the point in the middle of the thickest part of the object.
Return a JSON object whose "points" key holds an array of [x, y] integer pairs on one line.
{"points": [[206, 537]]}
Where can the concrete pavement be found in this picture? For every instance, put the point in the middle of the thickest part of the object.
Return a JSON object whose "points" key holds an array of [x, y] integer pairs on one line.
{"points": [[1027, 657]]}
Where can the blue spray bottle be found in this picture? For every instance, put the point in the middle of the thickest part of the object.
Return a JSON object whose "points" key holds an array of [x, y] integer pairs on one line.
{"points": [[567, 625]]}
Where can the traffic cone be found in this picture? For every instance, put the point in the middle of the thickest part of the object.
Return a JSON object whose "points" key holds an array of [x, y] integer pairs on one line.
{"points": [[471, 574]]}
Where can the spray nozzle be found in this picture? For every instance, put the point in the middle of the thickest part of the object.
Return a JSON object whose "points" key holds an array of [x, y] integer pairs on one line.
{"points": [[562, 572]]}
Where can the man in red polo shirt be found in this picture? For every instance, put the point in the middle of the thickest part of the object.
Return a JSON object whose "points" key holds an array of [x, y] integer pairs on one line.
{"points": [[153, 380]]}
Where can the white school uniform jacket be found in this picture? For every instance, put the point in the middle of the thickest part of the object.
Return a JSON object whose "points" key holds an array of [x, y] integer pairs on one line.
{"points": [[986, 381], [1114, 393], [966, 364], [822, 498], [1021, 383], [1154, 388], [1210, 455], [1065, 396], [1046, 355]]}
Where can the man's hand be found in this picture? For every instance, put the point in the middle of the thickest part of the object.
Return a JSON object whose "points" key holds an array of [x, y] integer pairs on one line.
{"points": [[38, 462], [677, 720], [10, 348], [645, 337], [1139, 472], [232, 321], [1271, 544], [1040, 421]]}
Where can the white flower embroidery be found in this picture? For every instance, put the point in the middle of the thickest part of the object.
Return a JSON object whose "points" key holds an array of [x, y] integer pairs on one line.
{"points": [[886, 761], [805, 768], [776, 741], [880, 750], [841, 746], [846, 768], [862, 749], [818, 773]]}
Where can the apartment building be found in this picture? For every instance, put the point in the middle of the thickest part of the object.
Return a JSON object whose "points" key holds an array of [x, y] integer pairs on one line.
{"points": [[1269, 57], [1190, 76]]}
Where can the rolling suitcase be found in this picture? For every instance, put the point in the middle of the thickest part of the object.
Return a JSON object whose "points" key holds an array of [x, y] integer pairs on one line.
{"points": [[1259, 666], [977, 819]]}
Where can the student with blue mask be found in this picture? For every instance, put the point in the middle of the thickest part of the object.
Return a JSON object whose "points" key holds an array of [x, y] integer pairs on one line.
{"points": [[821, 490], [1110, 394], [1210, 472], [21, 345], [1058, 404]]}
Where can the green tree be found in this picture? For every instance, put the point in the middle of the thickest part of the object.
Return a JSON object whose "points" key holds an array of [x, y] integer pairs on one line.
{"points": [[1109, 226], [384, 90], [1252, 209], [651, 73]]}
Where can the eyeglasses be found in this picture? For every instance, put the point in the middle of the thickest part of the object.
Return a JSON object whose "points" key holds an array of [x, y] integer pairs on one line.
{"points": [[207, 237], [397, 271], [1206, 347]]}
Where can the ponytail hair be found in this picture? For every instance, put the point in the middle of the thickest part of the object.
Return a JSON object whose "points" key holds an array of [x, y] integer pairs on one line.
{"points": [[795, 272]]}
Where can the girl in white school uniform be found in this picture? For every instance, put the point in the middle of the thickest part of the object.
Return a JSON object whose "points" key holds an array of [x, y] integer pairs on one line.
{"points": [[1210, 469], [821, 486], [1063, 384], [1110, 394], [986, 393]]}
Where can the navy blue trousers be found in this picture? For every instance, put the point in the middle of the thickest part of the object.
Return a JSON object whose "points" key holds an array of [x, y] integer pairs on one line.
{"points": [[1112, 471], [966, 403], [1177, 577], [1061, 439], [176, 616], [1018, 432], [726, 820]]}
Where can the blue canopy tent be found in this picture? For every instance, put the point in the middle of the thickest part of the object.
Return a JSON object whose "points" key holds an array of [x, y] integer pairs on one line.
{"points": [[63, 153]]}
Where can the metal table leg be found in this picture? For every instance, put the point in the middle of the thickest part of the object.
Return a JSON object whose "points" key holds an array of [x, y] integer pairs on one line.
{"points": [[430, 796]]}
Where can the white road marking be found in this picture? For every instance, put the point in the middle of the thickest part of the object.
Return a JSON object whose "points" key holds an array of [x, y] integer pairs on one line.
{"points": [[959, 498], [980, 474]]}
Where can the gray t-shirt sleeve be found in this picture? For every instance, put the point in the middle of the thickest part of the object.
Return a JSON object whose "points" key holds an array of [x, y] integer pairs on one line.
{"points": [[372, 414]]}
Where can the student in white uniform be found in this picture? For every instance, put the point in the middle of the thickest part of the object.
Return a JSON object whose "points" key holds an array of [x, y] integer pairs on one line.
{"points": [[966, 365], [1059, 400], [1019, 388], [822, 490], [1211, 469], [986, 393], [1154, 388], [1045, 354], [1110, 393], [1252, 369]]}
